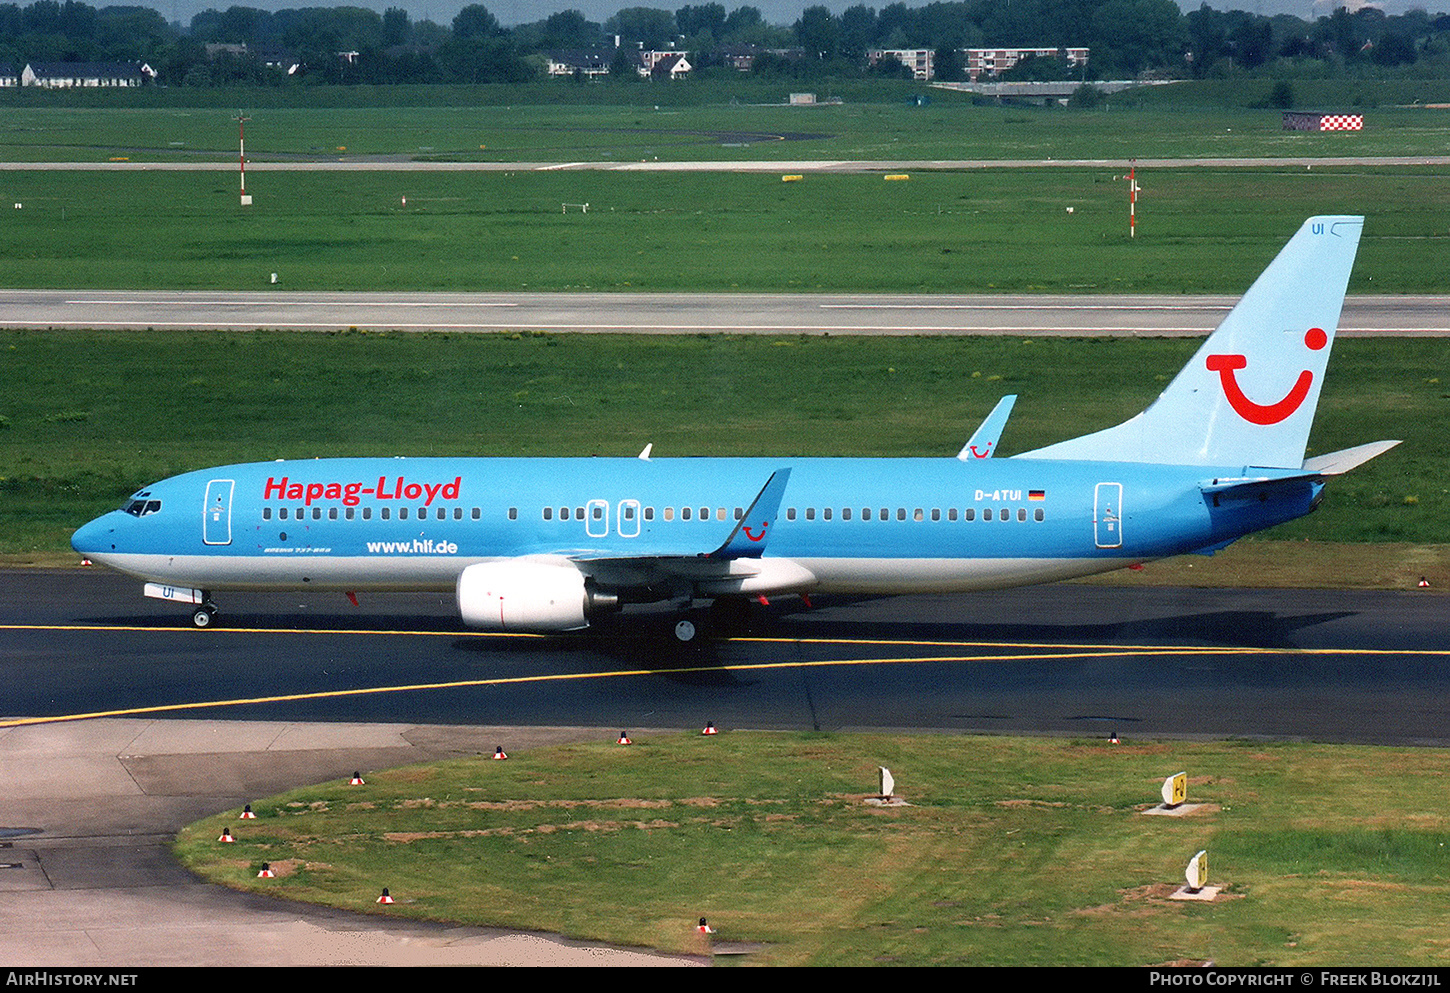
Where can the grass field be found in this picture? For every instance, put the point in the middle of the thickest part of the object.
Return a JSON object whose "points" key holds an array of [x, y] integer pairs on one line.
{"points": [[743, 124], [89, 417], [1199, 230], [1011, 852]]}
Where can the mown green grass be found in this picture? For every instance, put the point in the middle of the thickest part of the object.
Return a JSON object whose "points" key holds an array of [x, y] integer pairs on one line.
{"points": [[733, 126], [89, 417], [1199, 230], [1011, 852]]}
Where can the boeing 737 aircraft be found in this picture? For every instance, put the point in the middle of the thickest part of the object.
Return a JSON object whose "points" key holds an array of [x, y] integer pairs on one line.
{"points": [[545, 545]]}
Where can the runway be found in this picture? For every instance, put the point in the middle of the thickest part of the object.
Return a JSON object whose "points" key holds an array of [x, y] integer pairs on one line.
{"points": [[680, 313]]}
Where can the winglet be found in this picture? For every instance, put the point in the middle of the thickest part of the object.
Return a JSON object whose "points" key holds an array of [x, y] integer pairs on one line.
{"points": [[644, 455], [984, 440], [747, 541]]}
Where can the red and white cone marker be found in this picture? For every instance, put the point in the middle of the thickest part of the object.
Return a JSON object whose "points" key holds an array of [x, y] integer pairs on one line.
{"points": [[356, 780], [623, 739], [247, 814], [385, 898], [266, 872], [226, 837], [1114, 739], [499, 753], [704, 927], [1424, 583], [709, 729], [85, 561]]}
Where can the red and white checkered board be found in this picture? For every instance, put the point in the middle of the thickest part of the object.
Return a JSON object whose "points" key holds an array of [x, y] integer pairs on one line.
{"points": [[1341, 122]]}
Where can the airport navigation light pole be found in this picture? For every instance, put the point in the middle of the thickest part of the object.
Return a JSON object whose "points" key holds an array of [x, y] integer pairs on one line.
{"points": [[242, 120]]}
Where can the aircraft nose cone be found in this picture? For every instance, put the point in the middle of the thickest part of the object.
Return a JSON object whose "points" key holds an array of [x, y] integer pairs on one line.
{"points": [[92, 538]]}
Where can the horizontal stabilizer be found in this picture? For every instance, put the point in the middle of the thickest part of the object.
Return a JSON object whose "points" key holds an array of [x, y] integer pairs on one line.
{"points": [[1338, 463], [983, 441]]}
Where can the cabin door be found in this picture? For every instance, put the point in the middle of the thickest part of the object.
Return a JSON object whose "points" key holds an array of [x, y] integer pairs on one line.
{"points": [[1108, 515], [216, 526]]}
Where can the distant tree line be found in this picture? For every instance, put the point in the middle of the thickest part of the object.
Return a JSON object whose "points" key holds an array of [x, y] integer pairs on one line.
{"points": [[355, 45]]}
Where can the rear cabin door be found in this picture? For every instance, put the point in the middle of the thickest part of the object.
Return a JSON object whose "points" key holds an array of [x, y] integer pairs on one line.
{"points": [[1108, 515]]}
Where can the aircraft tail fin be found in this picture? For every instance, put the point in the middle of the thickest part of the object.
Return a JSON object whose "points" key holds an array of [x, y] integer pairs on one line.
{"points": [[1248, 395]]}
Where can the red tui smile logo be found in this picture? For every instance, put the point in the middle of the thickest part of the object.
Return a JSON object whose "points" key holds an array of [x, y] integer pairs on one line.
{"points": [[756, 537], [1257, 413]]}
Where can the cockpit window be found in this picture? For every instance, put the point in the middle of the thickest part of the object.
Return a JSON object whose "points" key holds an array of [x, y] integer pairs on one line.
{"points": [[141, 508]]}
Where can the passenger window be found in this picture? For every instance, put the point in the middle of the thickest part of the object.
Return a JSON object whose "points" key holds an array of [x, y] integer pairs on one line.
{"points": [[669, 513], [918, 515], [986, 513], [402, 513], [845, 513], [810, 513], [513, 513], [387, 513], [477, 513], [1037, 514], [790, 513], [951, 513], [684, 513], [1021, 513], [970, 514], [548, 513], [332, 513], [266, 513], [367, 513]]}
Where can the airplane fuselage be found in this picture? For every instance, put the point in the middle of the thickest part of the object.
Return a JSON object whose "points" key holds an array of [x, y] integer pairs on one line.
{"points": [[844, 524]]}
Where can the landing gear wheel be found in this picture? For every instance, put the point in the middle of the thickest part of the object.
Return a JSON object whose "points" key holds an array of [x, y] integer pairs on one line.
{"points": [[203, 616], [685, 632]]}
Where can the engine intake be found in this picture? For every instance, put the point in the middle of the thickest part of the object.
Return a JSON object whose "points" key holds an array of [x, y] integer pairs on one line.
{"points": [[522, 595]]}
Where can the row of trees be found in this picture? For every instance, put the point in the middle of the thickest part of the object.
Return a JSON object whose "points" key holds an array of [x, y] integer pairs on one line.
{"points": [[1126, 37]]}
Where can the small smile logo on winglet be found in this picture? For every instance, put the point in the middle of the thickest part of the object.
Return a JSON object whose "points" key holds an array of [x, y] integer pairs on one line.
{"points": [[1265, 414]]}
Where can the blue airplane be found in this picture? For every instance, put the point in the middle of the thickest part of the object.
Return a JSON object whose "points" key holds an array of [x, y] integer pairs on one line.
{"points": [[546, 544]]}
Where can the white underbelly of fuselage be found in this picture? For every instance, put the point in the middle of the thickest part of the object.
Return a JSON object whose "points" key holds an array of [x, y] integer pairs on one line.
{"points": [[427, 573]]}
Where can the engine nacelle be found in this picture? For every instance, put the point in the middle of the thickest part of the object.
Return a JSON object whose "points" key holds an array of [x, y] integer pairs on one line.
{"points": [[521, 595]]}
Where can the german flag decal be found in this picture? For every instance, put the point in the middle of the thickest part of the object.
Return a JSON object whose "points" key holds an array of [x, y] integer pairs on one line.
{"points": [[1037, 494]]}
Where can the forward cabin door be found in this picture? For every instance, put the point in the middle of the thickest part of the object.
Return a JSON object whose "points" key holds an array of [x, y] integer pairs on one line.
{"points": [[216, 527]]}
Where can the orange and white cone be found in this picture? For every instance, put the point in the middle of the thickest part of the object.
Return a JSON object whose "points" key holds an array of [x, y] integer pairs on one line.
{"points": [[356, 780], [623, 739], [385, 898], [226, 837], [266, 872], [499, 753], [247, 814]]}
